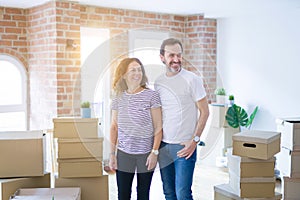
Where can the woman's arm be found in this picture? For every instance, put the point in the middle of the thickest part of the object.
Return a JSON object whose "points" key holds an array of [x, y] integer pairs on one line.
{"points": [[157, 125], [113, 140]]}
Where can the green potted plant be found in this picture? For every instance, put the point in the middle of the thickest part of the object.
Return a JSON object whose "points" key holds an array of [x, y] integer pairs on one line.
{"points": [[220, 95], [237, 117], [231, 100], [85, 109]]}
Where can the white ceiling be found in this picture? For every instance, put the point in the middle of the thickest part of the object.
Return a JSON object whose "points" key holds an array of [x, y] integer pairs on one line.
{"points": [[210, 8]]}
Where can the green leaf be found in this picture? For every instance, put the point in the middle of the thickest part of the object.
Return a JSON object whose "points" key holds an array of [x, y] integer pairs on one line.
{"points": [[236, 116], [251, 118]]}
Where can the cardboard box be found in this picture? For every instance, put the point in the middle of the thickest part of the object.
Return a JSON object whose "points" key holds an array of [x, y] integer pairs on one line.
{"points": [[75, 128], [224, 192], [290, 132], [256, 144], [291, 188], [9, 186], [245, 167], [289, 164], [95, 188], [22, 154], [88, 167], [72, 193], [252, 187], [80, 148]]}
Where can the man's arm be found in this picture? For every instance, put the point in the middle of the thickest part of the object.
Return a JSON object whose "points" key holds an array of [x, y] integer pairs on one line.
{"points": [[190, 146]]}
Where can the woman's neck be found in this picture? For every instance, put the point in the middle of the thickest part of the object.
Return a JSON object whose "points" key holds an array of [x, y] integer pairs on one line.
{"points": [[134, 89]]}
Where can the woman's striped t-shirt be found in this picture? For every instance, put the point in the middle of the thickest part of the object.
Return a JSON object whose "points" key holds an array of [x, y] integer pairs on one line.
{"points": [[135, 127]]}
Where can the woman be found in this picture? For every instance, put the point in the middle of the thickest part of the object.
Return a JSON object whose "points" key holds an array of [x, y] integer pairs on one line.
{"points": [[136, 129]]}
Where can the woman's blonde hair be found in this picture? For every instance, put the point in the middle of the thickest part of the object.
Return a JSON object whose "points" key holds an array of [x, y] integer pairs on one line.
{"points": [[119, 84]]}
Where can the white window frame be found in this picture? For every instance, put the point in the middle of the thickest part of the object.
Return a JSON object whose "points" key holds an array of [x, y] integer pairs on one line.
{"points": [[23, 107]]}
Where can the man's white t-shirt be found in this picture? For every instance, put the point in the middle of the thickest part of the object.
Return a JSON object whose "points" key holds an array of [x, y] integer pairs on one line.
{"points": [[179, 95]]}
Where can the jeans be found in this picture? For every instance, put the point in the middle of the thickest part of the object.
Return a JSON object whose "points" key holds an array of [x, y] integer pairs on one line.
{"points": [[128, 166], [176, 173]]}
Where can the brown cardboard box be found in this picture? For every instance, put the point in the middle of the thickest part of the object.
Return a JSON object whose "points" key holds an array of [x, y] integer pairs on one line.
{"points": [[80, 148], [225, 192], [95, 188], [75, 128], [245, 167], [22, 154], [70, 193], [86, 167], [252, 187], [256, 144], [9, 186], [291, 188]]}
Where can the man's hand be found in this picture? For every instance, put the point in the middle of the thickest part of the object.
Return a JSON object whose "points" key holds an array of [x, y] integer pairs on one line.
{"points": [[188, 150]]}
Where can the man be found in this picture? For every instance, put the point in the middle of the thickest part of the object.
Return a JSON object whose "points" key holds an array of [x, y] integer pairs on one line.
{"points": [[182, 96]]}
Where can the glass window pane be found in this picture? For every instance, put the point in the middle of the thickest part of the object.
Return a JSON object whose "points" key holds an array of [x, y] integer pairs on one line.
{"points": [[10, 84], [14, 121]]}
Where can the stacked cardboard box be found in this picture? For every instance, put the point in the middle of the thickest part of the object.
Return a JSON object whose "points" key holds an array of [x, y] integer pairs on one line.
{"points": [[79, 156], [22, 158], [251, 166], [288, 160]]}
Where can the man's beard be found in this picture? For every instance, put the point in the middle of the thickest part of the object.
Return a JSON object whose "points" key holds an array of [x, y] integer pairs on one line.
{"points": [[171, 69]]}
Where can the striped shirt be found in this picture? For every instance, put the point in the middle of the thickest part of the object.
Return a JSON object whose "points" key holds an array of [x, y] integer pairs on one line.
{"points": [[135, 127]]}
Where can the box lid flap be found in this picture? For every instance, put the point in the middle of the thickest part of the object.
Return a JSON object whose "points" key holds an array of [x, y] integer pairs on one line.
{"points": [[256, 136], [76, 140], [258, 179], [11, 135], [73, 160], [244, 159], [74, 119]]}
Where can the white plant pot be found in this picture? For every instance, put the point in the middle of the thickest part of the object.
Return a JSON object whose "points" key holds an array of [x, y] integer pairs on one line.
{"points": [[221, 99]]}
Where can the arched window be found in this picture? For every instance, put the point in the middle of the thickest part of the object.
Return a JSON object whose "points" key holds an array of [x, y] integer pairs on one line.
{"points": [[13, 98]]}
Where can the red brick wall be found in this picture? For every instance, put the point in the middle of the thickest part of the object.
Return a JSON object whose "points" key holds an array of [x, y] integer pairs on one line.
{"points": [[37, 37], [13, 33], [68, 59], [120, 21], [54, 68], [197, 33], [201, 45], [42, 64]]}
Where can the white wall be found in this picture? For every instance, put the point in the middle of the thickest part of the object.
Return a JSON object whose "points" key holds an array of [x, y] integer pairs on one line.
{"points": [[258, 61]]}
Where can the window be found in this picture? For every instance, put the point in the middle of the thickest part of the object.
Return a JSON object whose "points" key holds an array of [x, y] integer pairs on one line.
{"points": [[13, 90], [145, 46], [95, 77]]}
